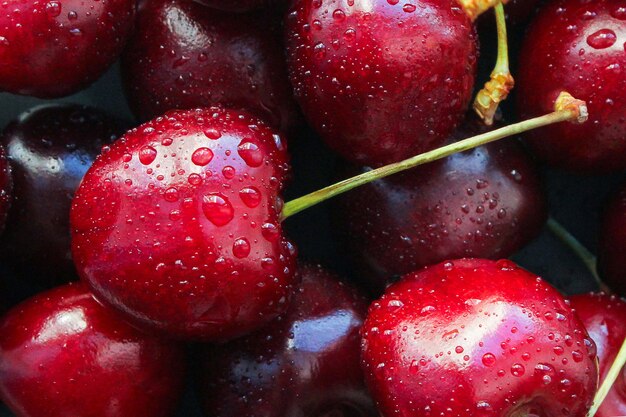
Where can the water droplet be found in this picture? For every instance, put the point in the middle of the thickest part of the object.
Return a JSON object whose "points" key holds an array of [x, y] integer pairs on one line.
{"points": [[250, 196], [217, 209], [619, 12], [319, 50], [577, 356], [270, 231], [459, 349], [194, 179], [241, 247], [250, 153], [339, 15], [517, 369], [489, 359], [409, 8], [212, 133], [171, 194], [604, 38], [228, 172], [147, 155], [427, 310], [53, 8], [202, 156]]}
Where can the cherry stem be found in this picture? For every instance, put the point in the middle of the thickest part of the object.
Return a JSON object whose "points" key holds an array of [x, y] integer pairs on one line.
{"points": [[581, 251], [610, 379], [475, 8], [501, 83], [567, 108]]}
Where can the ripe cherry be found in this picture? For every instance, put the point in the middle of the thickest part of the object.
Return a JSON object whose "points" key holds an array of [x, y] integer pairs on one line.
{"points": [[306, 363], [381, 80], [55, 48], [603, 316], [612, 242], [577, 46], [477, 337], [6, 187], [50, 148], [487, 202], [63, 354], [184, 55], [239, 6], [177, 225]]}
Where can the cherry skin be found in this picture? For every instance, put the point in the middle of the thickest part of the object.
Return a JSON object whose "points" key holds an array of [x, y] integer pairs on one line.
{"points": [[612, 242], [381, 80], [476, 337], [184, 55], [55, 48], [6, 187], [577, 46], [487, 202], [177, 225], [306, 363], [63, 354], [50, 148], [603, 316]]}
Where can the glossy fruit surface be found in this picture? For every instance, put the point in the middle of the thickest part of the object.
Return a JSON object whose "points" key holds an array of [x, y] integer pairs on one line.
{"points": [[185, 55], [63, 354], [50, 148], [306, 363], [6, 187], [177, 225], [487, 202], [603, 316], [55, 48], [577, 46], [477, 338], [381, 80], [612, 243]]}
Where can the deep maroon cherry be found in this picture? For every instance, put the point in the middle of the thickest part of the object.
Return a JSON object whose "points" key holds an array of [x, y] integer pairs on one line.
{"points": [[476, 337], [50, 148], [63, 354], [612, 242], [239, 6], [185, 55], [6, 187], [603, 316], [177, 225], [578, 46], [381, 80], [306, 363], [54, 48], [487, 202]]}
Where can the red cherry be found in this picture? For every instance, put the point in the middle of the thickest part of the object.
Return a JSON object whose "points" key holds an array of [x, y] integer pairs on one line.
{"points": [[177, 225], [603, 316], [381, 80], [577, 46], [239, 6], [57, 47], [476, 337], [304, 363], [184, 55], [487, 202], [50, 148], [6, 187], [612, 242], [63, 354]]}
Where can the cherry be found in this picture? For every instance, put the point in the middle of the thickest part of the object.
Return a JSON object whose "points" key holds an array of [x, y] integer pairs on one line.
{"points": [[487, 202], [238, 6], [381, 80], [612, 242], [577, 45], [57, 47], [603, 316], [305, 363], [477, 337], [50, 148], [63, 354], [177, 225], [184, 55], [6, 187]]}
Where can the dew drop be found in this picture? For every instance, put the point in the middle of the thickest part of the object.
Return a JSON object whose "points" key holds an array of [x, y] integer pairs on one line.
{"points": [[250, 153], [202, 156], [212, 133], [517, 369], [217, 209], [171, 194], [147, 155], [489, 359], [602, 39], [250, 196], [194, 179], [241, 247]]}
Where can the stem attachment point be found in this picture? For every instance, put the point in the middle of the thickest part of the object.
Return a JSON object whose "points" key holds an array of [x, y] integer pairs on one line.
{"points": [[475, 8]]}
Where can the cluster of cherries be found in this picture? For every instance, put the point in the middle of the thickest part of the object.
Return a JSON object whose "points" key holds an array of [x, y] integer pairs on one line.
{"points": [[175, 228]]}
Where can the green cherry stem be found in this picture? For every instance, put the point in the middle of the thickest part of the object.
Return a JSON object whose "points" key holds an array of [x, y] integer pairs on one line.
{"points": [[610, 379], [567, 108], [582, 252]]}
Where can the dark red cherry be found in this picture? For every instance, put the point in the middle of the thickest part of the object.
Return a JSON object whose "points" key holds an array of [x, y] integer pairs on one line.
{"points": [[63, 354], [487, 202], [381, 80], [56, 47], [50, 148], [305, 363], [239, 6], [475, 337], [577, 46], [185, 55], [612, 242], [603, 316], [6, 187], [177, 225]]}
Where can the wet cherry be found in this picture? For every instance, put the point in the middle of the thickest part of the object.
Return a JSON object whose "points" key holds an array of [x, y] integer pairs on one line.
{"points": [[612, 242], [577, 46], [381, 80], [185, 55], [54, 48], [603, 316], [305, 363], [63, 354], [177, 225], [477, 337], [50, 148], [487, 202]]}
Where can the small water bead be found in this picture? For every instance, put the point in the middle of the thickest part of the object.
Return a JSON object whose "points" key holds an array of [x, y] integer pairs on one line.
{"points": [[217, 208], [409, 8], [619, 12], [489, 359], [228, 172], [212, 133], [270, 232], [53, 8], [251, 196], [147, 155], [194, 179], [517, 369], [250, 153], [202, 156], [602, 39], [171, 194], [241, 247]]}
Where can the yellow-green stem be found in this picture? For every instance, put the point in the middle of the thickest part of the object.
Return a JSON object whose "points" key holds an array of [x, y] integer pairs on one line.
{"points": [[608, 382]]}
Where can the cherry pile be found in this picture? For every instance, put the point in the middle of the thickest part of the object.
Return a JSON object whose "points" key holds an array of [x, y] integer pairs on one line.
{"points": [[153, 253]]}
